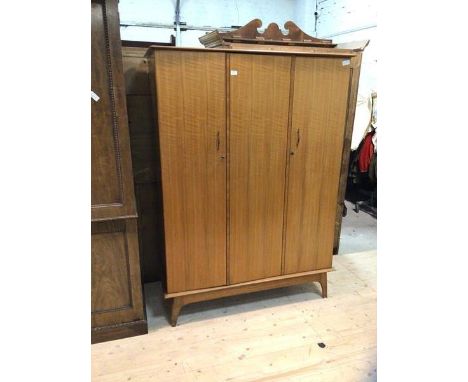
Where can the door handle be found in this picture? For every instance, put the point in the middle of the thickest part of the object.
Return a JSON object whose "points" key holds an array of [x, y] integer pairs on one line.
{"points": [[218, 143], [298, 140]]}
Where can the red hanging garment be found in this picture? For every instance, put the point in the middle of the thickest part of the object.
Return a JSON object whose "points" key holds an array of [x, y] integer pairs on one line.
{"points": [[366, 152]]}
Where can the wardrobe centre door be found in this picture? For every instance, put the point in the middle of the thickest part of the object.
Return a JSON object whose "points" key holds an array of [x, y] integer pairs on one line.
{"points": [[190, 92], [317, 131], [258, 129]]}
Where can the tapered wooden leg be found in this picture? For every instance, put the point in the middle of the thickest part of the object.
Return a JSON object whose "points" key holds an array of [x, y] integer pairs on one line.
{"points": [[323, 284], [176, 306]]}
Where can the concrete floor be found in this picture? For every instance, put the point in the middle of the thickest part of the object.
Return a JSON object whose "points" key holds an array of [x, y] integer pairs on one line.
{"points": [[358, 232]]}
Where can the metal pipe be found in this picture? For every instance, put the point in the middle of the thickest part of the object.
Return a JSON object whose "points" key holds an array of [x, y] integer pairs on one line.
{"points": [[171, 26], [177, 22], [188, 27]]}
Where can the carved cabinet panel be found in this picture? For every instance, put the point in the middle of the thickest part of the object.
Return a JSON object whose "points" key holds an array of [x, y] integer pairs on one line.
{"points": [[112, 192], [115, 273]]}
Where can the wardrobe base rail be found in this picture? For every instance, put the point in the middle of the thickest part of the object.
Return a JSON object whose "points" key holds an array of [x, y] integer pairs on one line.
{"points": [[184, 298]]}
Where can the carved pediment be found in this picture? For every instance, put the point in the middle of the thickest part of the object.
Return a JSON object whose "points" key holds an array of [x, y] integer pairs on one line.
{"points": [[272, 35]]}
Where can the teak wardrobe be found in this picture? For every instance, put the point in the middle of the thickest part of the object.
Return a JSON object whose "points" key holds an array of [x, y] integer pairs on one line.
{"points": [[251, 145]]}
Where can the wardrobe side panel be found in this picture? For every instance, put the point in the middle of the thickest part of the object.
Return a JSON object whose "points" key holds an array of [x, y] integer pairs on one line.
{"points": [[190, 93], [259, 103], [317, 131]]}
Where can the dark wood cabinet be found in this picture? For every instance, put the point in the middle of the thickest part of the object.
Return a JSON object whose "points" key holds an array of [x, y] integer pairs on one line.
{"points": [[117, 308], [112, 194]]}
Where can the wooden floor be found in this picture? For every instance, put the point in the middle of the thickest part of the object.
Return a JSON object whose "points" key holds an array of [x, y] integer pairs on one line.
{"points": [[289, 334]]}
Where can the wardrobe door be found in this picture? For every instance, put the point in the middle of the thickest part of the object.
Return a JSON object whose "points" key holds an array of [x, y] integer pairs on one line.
{"points": [[191, 98], [259, 102], [317, 131]]}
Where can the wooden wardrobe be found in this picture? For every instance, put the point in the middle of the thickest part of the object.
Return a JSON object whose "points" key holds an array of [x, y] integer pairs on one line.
{"points": [[117, 308], [251, 145]]}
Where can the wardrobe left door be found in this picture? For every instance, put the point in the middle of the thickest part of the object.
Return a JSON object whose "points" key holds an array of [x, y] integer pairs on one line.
{"points": [[191, 105]]}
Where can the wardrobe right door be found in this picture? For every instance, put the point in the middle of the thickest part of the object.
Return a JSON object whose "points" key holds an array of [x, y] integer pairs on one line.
{"points": [[316, 143]]}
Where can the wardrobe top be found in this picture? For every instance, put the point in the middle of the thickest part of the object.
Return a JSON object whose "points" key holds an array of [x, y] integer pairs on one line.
{"points": [[265, 49]]}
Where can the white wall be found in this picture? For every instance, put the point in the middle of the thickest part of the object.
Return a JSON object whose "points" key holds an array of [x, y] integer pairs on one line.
{"points": [[340, 20], [304, 16], [199, 13], [354, 20]]}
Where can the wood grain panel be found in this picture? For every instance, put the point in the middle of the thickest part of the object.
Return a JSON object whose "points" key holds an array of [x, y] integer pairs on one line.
{"points": [[190, 92], [116, 293], [317, 131], [259, 103], [110, 279], [105, 169], [112, 194]]}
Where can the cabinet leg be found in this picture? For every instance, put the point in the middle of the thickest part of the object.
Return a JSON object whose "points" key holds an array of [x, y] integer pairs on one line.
{"points": [[176, 306], [323, 284]]}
